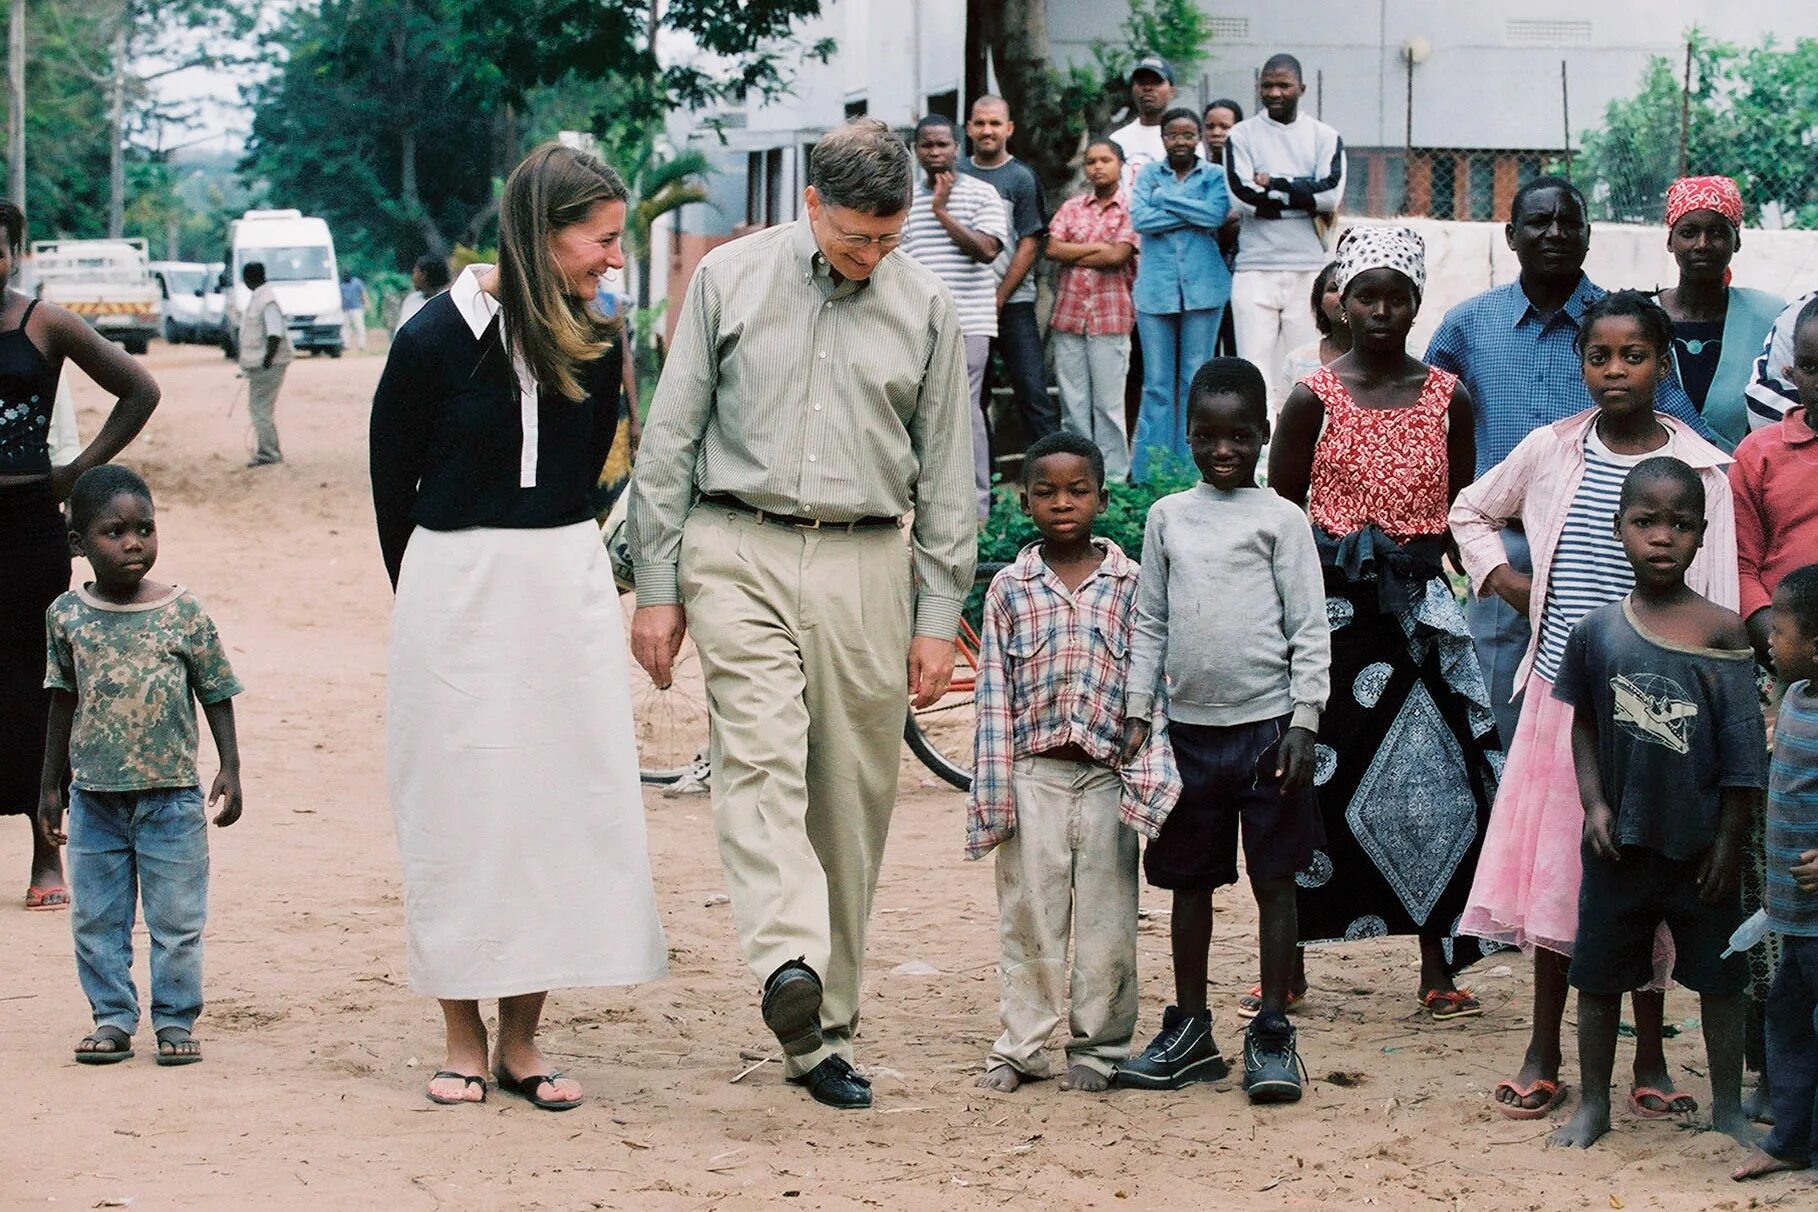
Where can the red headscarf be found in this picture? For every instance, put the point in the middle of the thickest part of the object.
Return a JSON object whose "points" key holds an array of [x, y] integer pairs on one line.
{"points": [[1704, 193]]}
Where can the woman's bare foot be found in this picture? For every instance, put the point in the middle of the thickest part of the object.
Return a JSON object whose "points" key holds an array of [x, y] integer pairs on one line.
{"points": [[1585, 1128], [523, 1061], [1763, 1164], [1085, 1080], [1001, 1078]]}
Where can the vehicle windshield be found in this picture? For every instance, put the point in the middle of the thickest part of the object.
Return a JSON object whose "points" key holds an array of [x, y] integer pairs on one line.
{"points": [[303, 263], [185, 281]]}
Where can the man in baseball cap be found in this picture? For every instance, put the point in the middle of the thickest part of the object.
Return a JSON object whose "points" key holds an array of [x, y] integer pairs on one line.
{"points": [[1151, 93]]}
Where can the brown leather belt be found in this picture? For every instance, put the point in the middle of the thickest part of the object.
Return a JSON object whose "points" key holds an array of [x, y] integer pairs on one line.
{"points": [[719, 500]]}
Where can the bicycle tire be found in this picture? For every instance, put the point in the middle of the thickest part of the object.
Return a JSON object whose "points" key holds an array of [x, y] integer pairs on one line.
{"points": [[944, 767]]}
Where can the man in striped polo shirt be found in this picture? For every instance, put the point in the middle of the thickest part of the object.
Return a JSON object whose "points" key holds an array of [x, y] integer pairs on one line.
{"points": [[957, 226], [814, 395]]}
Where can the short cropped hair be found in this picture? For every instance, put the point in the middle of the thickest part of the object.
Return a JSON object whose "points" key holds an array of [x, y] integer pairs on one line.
{"points": [[1231, 377], [1642, 308], [253, 274], [1117, 149], [1541, 184], [1181, 111], [1660, 468], [863, 166], [12, 221], [1064, 441], [1806, 315], [434, 270], [1798, 592], [1237, 111], [1284, 60], [97, 486]]}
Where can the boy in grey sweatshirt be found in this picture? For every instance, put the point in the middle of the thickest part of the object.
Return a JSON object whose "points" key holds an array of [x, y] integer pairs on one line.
{"points": [[1231, 611]]}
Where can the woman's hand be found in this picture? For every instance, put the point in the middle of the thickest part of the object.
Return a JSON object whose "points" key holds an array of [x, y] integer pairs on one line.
{"points": [[1515, 588]]}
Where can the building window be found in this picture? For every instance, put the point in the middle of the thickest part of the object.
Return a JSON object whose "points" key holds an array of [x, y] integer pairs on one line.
{"points": [[945, 104], [857, 108], [1523, 32], [764, 187], [1228, 29]]}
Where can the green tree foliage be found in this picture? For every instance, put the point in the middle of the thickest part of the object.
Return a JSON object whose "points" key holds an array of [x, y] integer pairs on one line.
{"points": [[1753, 116]]}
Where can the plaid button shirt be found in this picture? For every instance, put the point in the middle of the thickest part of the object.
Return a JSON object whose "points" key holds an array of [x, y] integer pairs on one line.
{"points": [[1053, 668], [1094, 302]]}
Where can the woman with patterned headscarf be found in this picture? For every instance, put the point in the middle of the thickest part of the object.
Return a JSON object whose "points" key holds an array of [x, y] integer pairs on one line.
{"points": [[1717, 328], [1377, 444]]}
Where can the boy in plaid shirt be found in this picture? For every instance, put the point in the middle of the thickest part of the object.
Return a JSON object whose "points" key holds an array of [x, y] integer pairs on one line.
{"points": [[1048, 791]]}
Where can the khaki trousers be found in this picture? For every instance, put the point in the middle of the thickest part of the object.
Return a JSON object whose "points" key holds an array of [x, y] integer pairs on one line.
{"points": [[1070, 867], [262, 385], [804, 642]]}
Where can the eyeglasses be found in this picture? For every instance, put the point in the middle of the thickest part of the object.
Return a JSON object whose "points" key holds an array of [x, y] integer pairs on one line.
{"points": [[854, 242]]}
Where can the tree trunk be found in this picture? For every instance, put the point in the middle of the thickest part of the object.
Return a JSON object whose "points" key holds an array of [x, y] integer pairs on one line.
{"points": [[15, 106], [413, 200], [1017, 34], [116, 150]]}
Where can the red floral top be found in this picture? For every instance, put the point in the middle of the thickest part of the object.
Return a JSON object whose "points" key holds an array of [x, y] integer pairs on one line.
{"points": [[1383, 465]]}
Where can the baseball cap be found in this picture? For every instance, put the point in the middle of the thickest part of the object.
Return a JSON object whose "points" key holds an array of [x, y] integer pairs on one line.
{"points": [[1153, 63]]}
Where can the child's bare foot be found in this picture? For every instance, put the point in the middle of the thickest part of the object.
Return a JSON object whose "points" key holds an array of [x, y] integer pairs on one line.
{"points": [[1758, 1105], [1087, 1081], [1534, 1070], [1763, 1164], [1585, 1128], [1734, 1124], [1001, 1078]]}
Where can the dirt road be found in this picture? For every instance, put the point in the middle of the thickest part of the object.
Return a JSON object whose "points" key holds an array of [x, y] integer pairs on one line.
{"points": [[311, 1096]]}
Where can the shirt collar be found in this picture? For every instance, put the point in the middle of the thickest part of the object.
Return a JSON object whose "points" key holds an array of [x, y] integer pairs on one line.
{"points": [[476, 306], [1029, 565], [1582, 296], [1796, 428]]}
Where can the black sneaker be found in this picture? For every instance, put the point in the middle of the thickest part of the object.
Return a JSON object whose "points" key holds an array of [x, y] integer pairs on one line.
{"points": [[1271, 1063], [1183, 1053]]}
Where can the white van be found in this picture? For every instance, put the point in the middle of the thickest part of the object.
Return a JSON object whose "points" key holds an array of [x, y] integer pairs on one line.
{"points": [[299, 259]]}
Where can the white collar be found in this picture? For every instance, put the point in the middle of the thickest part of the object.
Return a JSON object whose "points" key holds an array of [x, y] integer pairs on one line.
{"points": [[476, 306]]}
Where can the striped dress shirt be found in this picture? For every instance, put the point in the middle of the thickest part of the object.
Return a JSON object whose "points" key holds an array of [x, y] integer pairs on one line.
{"points": [[803, 393]]}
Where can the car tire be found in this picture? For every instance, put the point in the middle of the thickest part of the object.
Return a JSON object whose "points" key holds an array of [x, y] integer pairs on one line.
{"points": [[136, 345], [171, 334]]}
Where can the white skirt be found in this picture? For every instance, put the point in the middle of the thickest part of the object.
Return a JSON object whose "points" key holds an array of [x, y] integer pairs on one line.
{"points": [[513, 767]]}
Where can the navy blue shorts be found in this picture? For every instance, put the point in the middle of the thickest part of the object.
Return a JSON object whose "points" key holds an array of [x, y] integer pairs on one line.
{"points": [[1622, 904], [1228, 778]]}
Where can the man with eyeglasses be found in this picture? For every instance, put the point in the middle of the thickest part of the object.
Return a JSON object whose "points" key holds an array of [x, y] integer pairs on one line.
{"points": [[957, 226], [814, 395]]}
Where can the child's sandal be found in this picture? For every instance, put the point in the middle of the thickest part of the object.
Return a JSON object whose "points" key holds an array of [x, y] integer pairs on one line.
{"points": [[1447, 1004]]}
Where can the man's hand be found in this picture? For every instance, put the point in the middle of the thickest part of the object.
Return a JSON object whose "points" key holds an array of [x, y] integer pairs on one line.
{"points": [[1136, 735], [1600, 834], [1294, 760], [50, 817], [1515, 588], [1261, 180], [226, 790], [1003, 296], [1721, 871], [1805, 871], [930, 669], [943, 189], [656, 636]]}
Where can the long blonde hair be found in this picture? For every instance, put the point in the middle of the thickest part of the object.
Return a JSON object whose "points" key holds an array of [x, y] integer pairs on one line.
{"points": [[558, 335]]}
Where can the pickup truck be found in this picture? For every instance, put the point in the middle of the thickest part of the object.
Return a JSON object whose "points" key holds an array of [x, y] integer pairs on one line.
{"points": [[106, 282]]}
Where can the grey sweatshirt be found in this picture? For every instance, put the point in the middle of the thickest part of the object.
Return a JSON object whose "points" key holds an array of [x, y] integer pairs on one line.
{"points": [[1306, 159], [1232, 610]]}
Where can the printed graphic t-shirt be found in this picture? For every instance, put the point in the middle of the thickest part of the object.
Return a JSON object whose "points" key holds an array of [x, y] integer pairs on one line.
{"points": [[1675, 726], [134, 670]]}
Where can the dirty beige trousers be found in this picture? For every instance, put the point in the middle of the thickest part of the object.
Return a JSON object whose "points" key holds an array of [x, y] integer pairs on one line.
{"points": [[1069, 869], [804, 643]]}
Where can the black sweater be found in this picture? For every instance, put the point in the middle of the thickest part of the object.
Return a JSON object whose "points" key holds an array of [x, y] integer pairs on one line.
{"points": [[446, 435]]}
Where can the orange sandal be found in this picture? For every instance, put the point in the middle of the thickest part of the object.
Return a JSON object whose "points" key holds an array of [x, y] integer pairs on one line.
{"points": [[51, 896], [1249, 1005], [1447, 1004], [1555, 1091]]}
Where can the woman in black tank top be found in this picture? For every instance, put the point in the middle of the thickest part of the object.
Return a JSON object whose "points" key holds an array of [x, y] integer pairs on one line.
{"points": [[35, 340]]}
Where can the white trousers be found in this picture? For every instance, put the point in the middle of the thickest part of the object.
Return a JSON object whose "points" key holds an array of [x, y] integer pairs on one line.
{"points": [[1272, 315]]}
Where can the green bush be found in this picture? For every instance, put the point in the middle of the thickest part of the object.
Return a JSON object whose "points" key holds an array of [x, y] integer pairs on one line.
{"points": [[1008, 530]]}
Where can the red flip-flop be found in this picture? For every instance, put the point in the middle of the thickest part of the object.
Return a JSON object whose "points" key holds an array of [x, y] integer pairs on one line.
{"points": [[46, 897], [1555, 1091], [1250, 1004], [1447, 1004], [1669, 1098]]}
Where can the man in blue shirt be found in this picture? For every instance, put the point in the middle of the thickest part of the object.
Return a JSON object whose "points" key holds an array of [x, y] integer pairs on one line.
{"points": [[1514, 348], [353, 310]]}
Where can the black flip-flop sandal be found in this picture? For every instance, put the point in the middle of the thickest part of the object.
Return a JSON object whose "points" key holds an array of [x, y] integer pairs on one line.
{"points": [[122, 1047], [450, 1074], [176, 1037], [526, 1088]]}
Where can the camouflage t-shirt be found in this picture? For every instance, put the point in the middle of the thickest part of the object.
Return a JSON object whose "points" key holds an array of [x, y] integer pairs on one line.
{"points": [[133, 670]]}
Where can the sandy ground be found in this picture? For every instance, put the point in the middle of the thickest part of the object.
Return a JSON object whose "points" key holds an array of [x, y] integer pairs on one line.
{"points": [[317, 1053]]}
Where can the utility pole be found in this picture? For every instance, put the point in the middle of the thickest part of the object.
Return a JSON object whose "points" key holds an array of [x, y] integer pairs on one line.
{"points": [[15, 106], [116, 156]]}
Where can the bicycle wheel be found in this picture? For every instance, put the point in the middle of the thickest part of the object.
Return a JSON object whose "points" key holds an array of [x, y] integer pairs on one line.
{"points": [[671, 725], [940, 734]]}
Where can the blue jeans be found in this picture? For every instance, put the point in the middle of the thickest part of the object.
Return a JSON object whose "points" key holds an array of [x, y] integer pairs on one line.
{"points": [[1019, 342], [124, 846], [1174, 346], [1501, 639], [1792, 1051]]}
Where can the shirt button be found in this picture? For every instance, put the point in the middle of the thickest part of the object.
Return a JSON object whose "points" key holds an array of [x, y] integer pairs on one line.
{"points": [[811, 458], [827, 304], [817, 408], [822, 354]]}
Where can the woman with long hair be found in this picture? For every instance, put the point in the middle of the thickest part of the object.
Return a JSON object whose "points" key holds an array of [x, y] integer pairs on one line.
{"points": [[35, 340], [511, 760]]}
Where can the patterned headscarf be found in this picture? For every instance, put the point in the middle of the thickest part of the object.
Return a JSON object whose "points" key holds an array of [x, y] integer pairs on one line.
{"points": [[1369, 246], [1704, 193]]}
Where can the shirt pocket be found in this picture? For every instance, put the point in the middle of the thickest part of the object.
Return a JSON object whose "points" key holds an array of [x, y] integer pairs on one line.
{"points": [[1107, 667]]}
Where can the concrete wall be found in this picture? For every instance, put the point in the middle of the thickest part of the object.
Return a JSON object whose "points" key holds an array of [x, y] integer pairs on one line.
{"points": [[1464, 259]]}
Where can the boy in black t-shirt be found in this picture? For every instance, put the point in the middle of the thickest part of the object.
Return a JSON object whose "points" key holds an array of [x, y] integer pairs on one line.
{"points": [[1671, 756]]}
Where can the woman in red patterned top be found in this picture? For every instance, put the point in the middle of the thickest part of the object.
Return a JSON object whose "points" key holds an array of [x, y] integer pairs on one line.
{"points": [[1376, 445], [1089, 335]]}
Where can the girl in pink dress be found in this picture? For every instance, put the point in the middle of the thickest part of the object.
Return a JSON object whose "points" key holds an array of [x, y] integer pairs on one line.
{"points": [[1561, 485]]}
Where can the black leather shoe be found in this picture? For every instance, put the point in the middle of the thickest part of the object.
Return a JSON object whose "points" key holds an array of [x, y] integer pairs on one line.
{"points": [[792, 1007], [836, 1084]]}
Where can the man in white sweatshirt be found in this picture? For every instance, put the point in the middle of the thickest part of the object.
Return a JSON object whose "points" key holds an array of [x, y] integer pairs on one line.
{"points": [[1286, 173]]}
